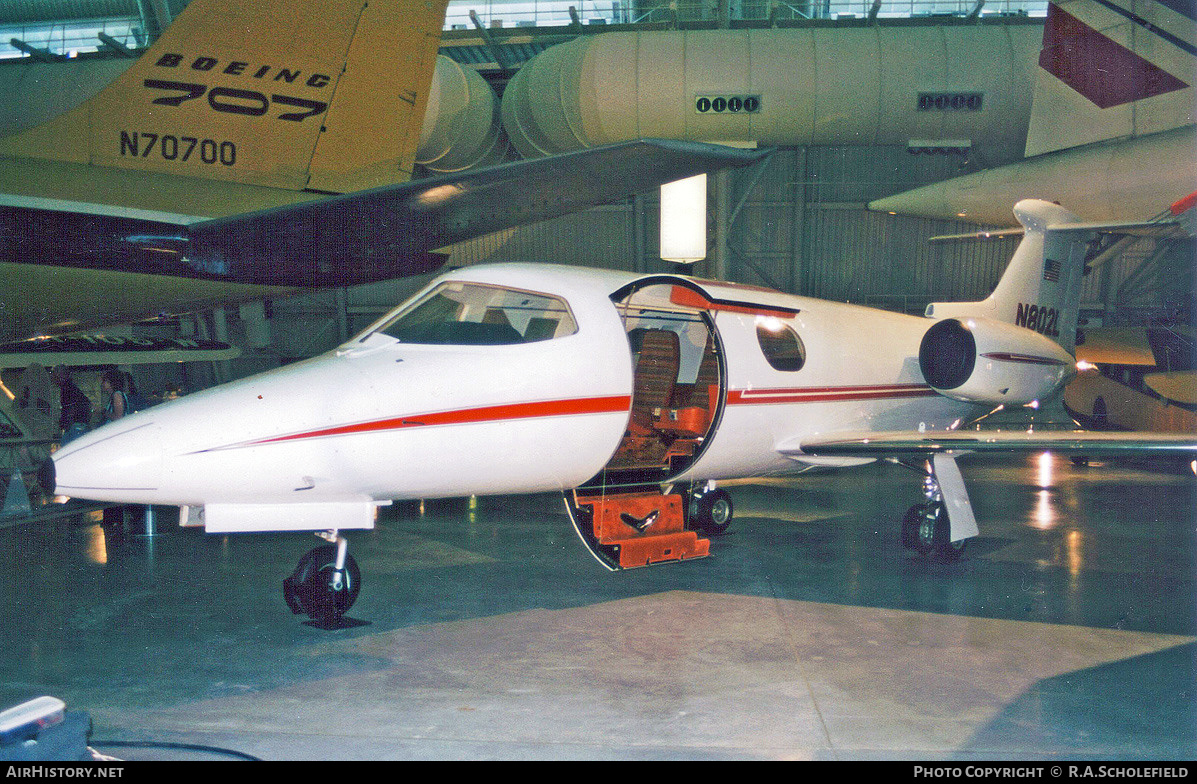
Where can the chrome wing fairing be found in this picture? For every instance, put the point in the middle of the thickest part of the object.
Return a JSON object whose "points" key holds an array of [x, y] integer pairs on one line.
{"points": [[1071, 442]]}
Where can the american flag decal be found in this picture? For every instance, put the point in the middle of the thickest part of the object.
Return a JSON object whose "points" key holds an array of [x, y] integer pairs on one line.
{"points": [[1051, 270]]}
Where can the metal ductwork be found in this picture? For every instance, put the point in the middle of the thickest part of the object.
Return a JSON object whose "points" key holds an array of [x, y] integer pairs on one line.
{"points": [[809, 86], [461, 125]]}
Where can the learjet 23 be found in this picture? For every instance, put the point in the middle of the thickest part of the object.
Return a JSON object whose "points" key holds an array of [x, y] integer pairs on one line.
{"points": [[631, 394]]}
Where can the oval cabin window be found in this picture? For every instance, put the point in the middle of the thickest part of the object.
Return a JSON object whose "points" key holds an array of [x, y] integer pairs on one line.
{"points": [[781, 345]]}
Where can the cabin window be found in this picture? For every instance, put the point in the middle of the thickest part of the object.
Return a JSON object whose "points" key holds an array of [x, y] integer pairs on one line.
{"points": [[780, 344], [472, 314]]}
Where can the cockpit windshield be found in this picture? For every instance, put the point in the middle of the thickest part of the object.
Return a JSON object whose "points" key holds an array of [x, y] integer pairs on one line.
{"points": [[473, 314]]}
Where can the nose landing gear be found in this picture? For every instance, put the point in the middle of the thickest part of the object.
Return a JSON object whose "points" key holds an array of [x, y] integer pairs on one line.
{"points": [[326, 582]]}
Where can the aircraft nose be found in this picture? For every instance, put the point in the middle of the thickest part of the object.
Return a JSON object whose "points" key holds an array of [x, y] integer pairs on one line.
{"points": [[119, 462]]}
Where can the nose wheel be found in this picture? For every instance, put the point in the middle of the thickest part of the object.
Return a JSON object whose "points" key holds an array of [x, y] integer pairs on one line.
{"points": [[325, 584]]}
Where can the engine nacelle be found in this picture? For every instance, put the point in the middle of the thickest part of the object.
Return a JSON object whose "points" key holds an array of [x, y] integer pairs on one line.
{"points": [[980, 360]]}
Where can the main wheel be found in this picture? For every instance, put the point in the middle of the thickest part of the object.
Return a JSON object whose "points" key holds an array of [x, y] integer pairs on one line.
{"points": [[930, 531], [910, 527], [713, 514], [318, 589]]}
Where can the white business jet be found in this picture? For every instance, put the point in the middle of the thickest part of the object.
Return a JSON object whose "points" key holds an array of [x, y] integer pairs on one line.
{"points": [[630, 394]]}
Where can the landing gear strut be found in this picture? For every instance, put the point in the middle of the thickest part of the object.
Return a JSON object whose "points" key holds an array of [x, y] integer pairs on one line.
{"points": [[926, 528], [326, 582]]}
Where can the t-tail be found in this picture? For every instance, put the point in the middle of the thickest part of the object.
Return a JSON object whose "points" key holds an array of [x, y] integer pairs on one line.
{"points": [[1014, 347], [1041, 287], [325, 97]]}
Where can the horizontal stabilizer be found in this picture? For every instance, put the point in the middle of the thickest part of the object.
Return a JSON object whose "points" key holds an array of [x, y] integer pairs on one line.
{"points": [[1171, 225]]}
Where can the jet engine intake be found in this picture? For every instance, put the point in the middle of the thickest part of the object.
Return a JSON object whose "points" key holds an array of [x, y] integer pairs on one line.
{"points": [[980, 360]]}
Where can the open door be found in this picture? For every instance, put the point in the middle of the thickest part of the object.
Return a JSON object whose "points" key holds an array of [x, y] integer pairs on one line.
{"points": [[623, 514]]}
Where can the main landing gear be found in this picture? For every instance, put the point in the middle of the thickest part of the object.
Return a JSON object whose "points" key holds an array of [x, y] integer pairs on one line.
{"points": [[326, 582], [710, 511], [926, 528]]}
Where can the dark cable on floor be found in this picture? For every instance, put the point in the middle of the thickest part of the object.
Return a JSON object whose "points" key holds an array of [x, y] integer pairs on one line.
{"points": [[149, 744]]}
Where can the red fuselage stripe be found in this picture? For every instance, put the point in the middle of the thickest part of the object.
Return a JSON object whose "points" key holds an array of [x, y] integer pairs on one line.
{"points": [[826, 394], [1026, 359], [511, 411], [599, 405]]}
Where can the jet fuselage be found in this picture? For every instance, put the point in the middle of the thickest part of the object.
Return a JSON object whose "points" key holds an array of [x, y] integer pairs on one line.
{"points": [[386, 417]]}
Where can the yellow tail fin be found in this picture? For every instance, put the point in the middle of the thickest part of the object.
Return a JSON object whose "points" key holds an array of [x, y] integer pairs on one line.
{"points": [[323, 96]]}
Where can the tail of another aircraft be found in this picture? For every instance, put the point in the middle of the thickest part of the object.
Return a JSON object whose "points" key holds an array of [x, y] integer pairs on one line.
{"points": [[296, 95], [1113, 71], [1041, 287]]}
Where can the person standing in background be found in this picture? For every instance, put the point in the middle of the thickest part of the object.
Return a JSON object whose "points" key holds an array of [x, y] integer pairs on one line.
{"points": [[76, 408]]}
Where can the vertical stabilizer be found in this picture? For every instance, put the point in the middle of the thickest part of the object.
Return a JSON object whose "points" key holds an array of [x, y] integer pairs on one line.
{"points": [[277, 93], [1113, 69], [1041, 287]]}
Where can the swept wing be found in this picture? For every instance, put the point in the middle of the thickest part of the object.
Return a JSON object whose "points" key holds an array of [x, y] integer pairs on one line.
{"points": [[908, 444]]}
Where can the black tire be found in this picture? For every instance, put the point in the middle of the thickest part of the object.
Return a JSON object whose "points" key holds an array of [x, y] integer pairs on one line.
{"points": [[714, 513], [932, 533], [312, 589], [924, 526], [910, 526], [949, 552]]}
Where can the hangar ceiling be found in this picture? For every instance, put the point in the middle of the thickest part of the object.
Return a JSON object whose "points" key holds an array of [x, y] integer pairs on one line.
{"points": [[497, 36], [26, 11]]}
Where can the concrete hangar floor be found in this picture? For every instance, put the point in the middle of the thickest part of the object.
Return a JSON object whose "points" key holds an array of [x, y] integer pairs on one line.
{"points": [[488, 632]]}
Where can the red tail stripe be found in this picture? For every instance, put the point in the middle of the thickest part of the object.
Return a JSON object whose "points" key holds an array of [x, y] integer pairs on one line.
{"points": [[1096, 66]]}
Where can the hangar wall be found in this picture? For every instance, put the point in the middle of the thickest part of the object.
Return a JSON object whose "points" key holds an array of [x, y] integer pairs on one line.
{"points": [[801, 226]]}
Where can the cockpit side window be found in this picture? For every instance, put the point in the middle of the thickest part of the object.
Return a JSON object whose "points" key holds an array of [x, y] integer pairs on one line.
{"points": [[781, 345], [472, 314]]}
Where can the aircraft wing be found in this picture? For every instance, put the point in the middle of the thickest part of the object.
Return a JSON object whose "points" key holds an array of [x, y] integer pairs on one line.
{"points": [[1179, 220], [390, 231], [66, 265], [95, 350], [913, 444]]}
